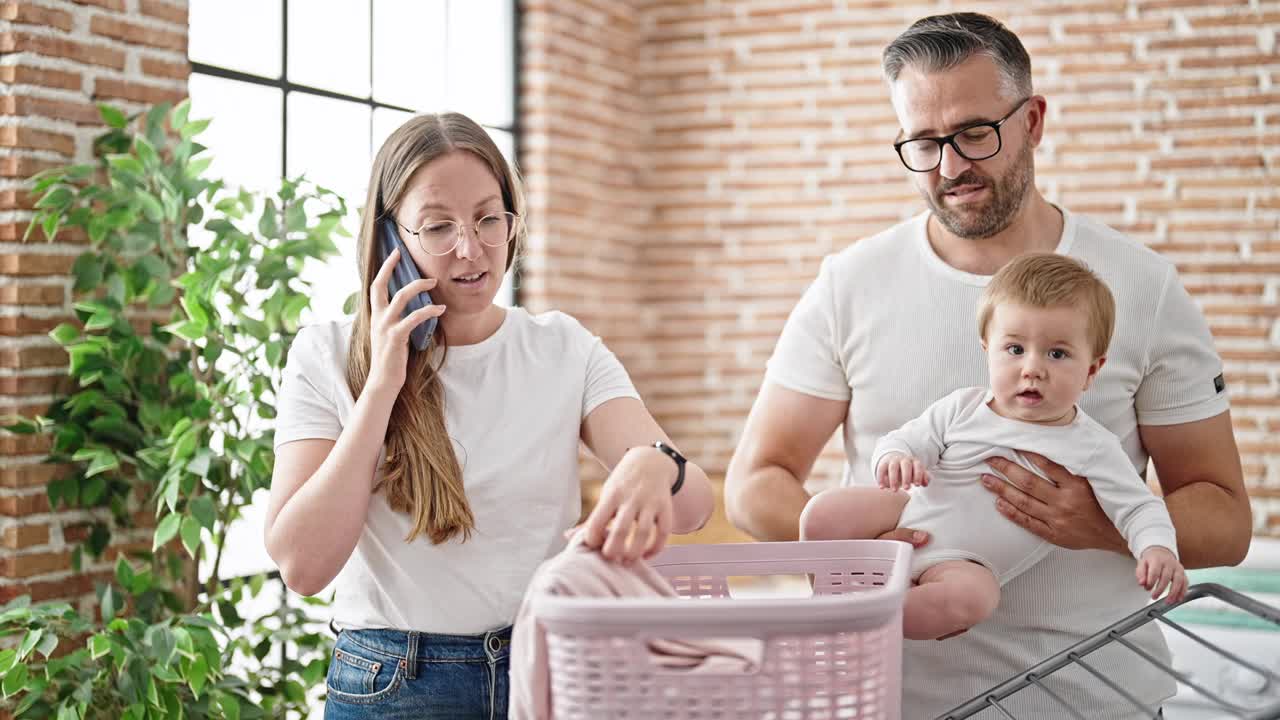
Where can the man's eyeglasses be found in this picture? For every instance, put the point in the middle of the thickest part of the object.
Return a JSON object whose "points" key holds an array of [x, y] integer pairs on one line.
{"points": [[976, 142], [441, 237]]}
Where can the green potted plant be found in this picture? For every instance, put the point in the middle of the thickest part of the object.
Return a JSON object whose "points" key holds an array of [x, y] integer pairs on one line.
{"points": [[187, 297]]}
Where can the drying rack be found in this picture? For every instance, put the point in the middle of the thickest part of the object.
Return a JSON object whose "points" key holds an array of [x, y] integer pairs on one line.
{"points": [[1032, 679]]}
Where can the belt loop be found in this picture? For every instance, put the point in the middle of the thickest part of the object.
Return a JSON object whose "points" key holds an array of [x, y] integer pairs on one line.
{"points": [[411, 657]]}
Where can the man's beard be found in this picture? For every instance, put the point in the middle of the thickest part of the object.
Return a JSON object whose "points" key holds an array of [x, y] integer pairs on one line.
{"points": [[1007, 194]]}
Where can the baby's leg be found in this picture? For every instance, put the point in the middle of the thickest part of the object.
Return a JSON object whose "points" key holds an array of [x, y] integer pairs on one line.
{"points": [[952, 596], [851, 514]]}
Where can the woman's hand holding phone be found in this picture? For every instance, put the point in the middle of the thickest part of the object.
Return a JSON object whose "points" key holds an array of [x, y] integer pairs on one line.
{"points": [[388, 331]]}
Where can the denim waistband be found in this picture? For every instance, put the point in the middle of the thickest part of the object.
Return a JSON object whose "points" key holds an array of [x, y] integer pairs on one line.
{"points": [[419, 647]]}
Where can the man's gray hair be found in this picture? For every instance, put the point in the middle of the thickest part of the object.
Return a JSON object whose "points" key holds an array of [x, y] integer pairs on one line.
{"points": [[941, 42]]}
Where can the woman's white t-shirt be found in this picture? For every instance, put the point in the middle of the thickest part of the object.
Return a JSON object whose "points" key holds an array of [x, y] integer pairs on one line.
{"points": [[514, 406]]}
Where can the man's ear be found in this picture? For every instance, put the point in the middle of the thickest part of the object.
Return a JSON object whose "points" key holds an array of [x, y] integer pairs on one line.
{"points": [[1035, 119], [1094, 367]]}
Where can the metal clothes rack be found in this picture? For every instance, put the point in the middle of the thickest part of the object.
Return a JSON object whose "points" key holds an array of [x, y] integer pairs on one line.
{"points": [[1033, 679]]}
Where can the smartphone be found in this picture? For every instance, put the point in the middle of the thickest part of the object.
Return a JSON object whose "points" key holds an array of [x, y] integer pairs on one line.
{"points": [[404, 273]]}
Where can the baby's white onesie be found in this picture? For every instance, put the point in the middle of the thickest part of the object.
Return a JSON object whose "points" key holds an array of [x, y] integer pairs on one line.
{"points": [[955, 436]]}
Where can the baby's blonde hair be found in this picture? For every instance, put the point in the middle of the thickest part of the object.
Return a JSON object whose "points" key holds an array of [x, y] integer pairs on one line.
{"points": [[1048, 280]]}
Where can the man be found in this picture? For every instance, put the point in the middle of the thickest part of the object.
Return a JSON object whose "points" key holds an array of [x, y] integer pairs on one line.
{"points": [[888, 327]]}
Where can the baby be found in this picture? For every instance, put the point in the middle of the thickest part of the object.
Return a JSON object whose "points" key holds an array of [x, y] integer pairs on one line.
{"points": [[1045, 322]]}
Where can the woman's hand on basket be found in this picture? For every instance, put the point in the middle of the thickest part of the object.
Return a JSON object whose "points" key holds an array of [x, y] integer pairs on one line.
{"points": [[388, 331], [633, 518]]}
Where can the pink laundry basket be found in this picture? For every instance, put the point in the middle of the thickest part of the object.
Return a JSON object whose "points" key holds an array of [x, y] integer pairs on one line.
{"points": [[835, 655]]}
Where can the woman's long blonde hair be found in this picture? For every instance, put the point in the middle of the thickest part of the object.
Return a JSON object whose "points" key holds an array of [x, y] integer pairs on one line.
{"points": [[422, 476]]}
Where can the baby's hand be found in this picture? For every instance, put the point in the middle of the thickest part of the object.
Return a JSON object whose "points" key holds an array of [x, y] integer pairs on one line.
{"points": [[897, 471], [1157, 569]]}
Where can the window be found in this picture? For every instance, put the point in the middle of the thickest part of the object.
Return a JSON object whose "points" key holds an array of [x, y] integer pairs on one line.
{"points": [[314, 87]]}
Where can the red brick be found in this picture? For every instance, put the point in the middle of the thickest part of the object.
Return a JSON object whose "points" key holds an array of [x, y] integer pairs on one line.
{"points": [[32, 357], [136, 34], [17, 200], [32, 139], [164, 11], [25, 444], [66, 589], [162, 69], [129, 549], [1220, 161], [1111, 29], [1212, 42], [27, 75], [1146, 5], [92, 54], [70, 588], [76, 533], [29, 565], [117, 5], [32, 294], [1203, 83], [24, 166], [33, 385], [22, 505], [19, 537], [34, 475], [1102, 7], [81, 113], [29, 410], [26, 13], [13, 232], [1246, 20], [1250, 60], [1265, 100], [28, 264], [111, 89], [20, 325]]}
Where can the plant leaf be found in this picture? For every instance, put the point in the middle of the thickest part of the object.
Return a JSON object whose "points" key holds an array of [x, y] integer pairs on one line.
{"points": [[193, 128], [29, 642], [64, 334], [103, 461], [47, 645], [165, 531], [112, 117], [196, 676], [124, 573], [99, 645], [108, 603], [190, 532], [203, 511], [14, 680]]}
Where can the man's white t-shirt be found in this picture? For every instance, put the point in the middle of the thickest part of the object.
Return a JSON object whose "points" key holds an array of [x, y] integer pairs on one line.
{"points": [[514, 406], [890, 328]]}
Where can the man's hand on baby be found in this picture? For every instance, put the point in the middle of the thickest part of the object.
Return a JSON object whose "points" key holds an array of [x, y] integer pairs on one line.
{"points": [[897, 471], [1158, 568]]}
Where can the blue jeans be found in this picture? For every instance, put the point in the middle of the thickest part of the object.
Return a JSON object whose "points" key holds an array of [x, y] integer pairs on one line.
{"points": [[397, 675]]}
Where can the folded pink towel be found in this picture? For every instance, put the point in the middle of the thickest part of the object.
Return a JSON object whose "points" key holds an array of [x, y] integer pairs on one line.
{"points": [[580, 571]]}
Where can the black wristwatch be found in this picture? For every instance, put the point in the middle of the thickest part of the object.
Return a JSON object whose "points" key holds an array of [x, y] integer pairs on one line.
{"points": [[680, 461]]}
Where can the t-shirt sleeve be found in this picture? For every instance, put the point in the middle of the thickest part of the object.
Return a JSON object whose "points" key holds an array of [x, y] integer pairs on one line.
{"points": [[807, 358], [1183, 380], [606, 379], [305, 408]]}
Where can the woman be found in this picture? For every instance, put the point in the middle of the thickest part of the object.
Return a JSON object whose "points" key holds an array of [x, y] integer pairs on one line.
{"points": [[428, 485]]}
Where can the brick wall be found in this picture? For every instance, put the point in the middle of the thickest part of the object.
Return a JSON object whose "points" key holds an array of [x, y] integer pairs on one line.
{"points": [[764, 131], [57, 59]]}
